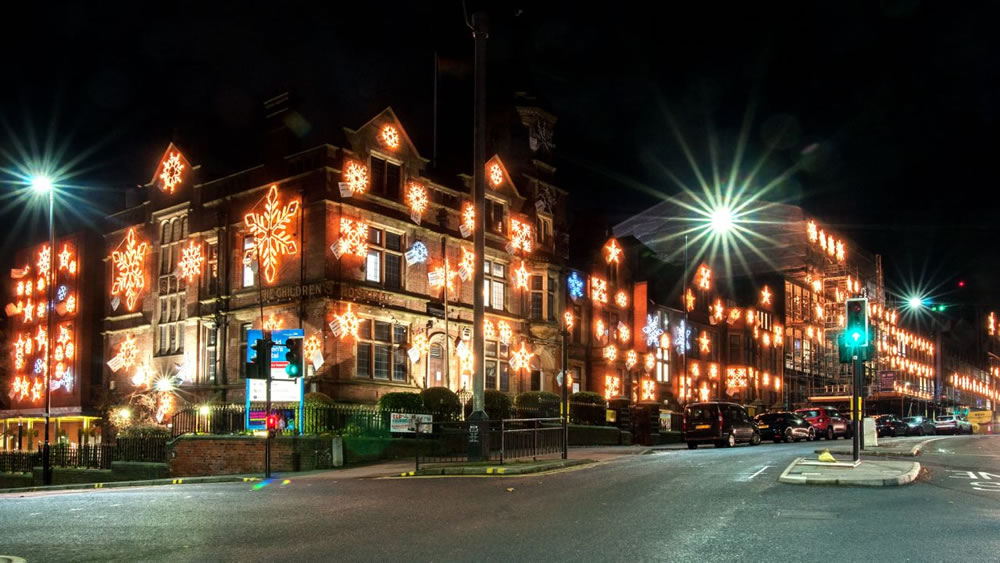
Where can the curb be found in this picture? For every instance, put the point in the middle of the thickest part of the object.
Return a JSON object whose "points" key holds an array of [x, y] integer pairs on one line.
{"points": [[912, 452], [499, 471], [896, 481], [123, 484]]}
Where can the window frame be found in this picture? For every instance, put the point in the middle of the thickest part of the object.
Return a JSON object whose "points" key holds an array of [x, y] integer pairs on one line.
{"points": [[395, 348]]}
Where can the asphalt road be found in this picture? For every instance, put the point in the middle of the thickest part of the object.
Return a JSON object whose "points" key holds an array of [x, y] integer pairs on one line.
{"points": [[704, 505]]}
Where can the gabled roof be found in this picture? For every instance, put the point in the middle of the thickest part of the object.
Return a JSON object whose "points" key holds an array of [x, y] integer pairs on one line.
{"points": [[172, 149], [358, 137], [507, 178]]}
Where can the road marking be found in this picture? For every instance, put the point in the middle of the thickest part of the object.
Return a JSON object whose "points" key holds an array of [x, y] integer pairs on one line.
{"points": [[763, 469], [115, 505], [34, 514], [75, 509]]}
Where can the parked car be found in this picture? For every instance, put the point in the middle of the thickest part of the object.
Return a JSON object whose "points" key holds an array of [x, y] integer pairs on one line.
{"points": [[827, 422], [919, 426], [889, 425], [949, 424], [784, 426], [723, 424]]}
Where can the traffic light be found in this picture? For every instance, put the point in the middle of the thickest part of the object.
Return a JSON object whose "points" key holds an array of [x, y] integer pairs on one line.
{"points": [[856, 333], [260, 366], [272, 421], [293, 356]]}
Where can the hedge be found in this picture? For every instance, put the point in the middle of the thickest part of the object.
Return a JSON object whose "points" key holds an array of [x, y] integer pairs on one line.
{"points": [[442, 402], [401, 402]]}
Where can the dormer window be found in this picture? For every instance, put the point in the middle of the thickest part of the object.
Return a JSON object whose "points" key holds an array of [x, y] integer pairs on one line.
{"points": [[385, 178]]}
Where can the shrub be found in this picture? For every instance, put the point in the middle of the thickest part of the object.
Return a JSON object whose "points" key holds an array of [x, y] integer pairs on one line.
{"points": [[537, 404], [400, 402], [588, 397], [315, 399], [144, 431], [498, 404], [442, 402]]}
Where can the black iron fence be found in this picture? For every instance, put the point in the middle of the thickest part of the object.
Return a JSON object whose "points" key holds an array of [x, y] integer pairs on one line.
{"points": [[93, 456], [505, 440], [530, 437], [209, 419]]}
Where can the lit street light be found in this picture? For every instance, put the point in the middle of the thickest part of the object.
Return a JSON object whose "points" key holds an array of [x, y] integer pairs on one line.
{"points": [[722, 220], [916, 302], [43, 185]]}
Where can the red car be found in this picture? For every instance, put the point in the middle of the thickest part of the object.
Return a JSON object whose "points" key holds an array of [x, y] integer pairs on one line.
{"points": [[827, 422]]}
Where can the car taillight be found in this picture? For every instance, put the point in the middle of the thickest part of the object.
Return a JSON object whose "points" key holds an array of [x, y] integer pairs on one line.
{"points": [[720, 419], [684, 424]]}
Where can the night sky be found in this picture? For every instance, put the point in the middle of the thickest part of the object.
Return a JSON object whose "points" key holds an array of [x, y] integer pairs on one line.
{"points": [[887, 112]]}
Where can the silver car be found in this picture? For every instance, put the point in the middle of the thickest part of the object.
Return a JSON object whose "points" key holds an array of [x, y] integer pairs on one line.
{"points": [[919, 426], [949, 424]]}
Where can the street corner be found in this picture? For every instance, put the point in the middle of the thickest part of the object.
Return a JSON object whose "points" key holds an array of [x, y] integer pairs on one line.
{"points": [[866, 473], [483, 470]]}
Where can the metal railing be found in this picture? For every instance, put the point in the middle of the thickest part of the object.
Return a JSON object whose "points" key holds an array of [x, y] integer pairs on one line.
{"points": [[19, 461], [145, 449], [92, 456], [530, 437]]}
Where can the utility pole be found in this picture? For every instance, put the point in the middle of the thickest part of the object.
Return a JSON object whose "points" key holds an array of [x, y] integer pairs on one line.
{"points": [[478, 426], [565, 388]]}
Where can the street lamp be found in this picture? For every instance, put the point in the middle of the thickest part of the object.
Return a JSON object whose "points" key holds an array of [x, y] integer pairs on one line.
{"points": [[721, 220], [915, 302], [43, 185]]}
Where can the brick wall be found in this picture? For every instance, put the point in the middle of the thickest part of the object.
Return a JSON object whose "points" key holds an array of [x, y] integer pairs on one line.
{"points": [[190, 456]]}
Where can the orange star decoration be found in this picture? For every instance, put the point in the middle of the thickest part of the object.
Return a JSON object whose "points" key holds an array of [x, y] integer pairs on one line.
{"points": [[631, 358], [521, 277], [469, 216], [128, 277], [613, 251], [273, 323], [416, 194], [521, 359], [390, 137], [191, 260], [704, 278], [496, 174], [648, 389], [765, 296], [718, 311], [621, 299], [65, 258], [689, 299], [520, 235], [270, 233], [128, 352], [598, 290], [356, 176], [353, 237], [704, 342], [171, 173]]}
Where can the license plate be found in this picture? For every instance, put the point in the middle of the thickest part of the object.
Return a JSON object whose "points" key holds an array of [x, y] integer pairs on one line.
{"points": [[702, 426], [762, 426]]}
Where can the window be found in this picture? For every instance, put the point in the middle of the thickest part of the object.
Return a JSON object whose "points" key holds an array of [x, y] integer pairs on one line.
{"points": [[248, 268], [211, 352], [536, 380], [173, 311], [662, 365], [382, 351], [551, 301], [244, 336], [212, 278], [495, 285], [543, 230], [384, 263], [495, 216], [385, 178], [536, 298], [497, 368]]}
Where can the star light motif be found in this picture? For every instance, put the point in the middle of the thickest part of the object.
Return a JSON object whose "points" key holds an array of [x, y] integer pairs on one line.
{"points": [[128, 270], [521, 359], [271, 238], [65, 257], [689, 299], [765, 296], [652, 331], [191, 260], [171, 173], [704, 342], [521, 277], [613, 252]]}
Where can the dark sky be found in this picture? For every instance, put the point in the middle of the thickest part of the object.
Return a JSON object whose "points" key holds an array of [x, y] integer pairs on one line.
{"points": [[886, 111]]}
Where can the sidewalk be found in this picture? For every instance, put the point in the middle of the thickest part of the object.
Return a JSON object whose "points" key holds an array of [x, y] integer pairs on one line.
{"points": [[143, 483], [867, 473], [890, 447]]}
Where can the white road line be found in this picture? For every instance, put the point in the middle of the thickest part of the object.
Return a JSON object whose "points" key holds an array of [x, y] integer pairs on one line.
{"points": [[763, 469], [114, 505], [75, 509]]}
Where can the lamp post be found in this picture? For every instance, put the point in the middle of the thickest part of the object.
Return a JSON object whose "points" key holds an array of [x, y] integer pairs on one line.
{"points": [[43, 185]]}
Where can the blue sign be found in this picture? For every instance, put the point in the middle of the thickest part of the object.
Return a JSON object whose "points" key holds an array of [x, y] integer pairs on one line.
{"points": [[278, 350]]}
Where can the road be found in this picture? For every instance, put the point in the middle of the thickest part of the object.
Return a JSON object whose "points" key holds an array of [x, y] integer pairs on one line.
{"points": [[704, 505]]}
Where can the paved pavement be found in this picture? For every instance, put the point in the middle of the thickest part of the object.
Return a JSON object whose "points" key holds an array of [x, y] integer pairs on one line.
{"points": [[703, 505]]}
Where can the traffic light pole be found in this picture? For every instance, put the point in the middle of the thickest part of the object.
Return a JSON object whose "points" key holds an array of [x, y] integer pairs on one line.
{"points": [[266, 368], [856, 406]]}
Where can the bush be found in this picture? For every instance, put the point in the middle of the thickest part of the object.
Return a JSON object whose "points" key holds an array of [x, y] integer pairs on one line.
{"points": [[315, 399], [144, 431], [442, 402], [498, 404], [589, 414], [400, 402], [588, 397], [537, 404]]}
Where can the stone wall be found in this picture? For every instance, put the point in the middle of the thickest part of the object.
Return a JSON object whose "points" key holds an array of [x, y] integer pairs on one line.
{"points": [[191, 456]]}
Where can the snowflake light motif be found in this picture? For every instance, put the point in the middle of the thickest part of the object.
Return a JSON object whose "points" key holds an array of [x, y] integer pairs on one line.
{"points": [[612, 386], [631, 358], [521, 359], [273, 323], [419, 251], [311, 346], [621, 299], [416, 194], [468, 261], [623, 333], [704, 278], [489, 331], [650, 361], [191, 260], [521, 277], [390, 137], [353, 237], [71, 303], [349, 324], [421, 344], [610, 353], [443, 275], [128, 270], [356, 176], [599, 328], [648, 389], [598, 290], [271, 238], [612, 251], [171, 174], [505, 332], [44, 260], [652, 331], [682, 334], [61, 293], [568, 320], [520, 235], [496, 175], [575, 285], [128, 352], [469, 216]]}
